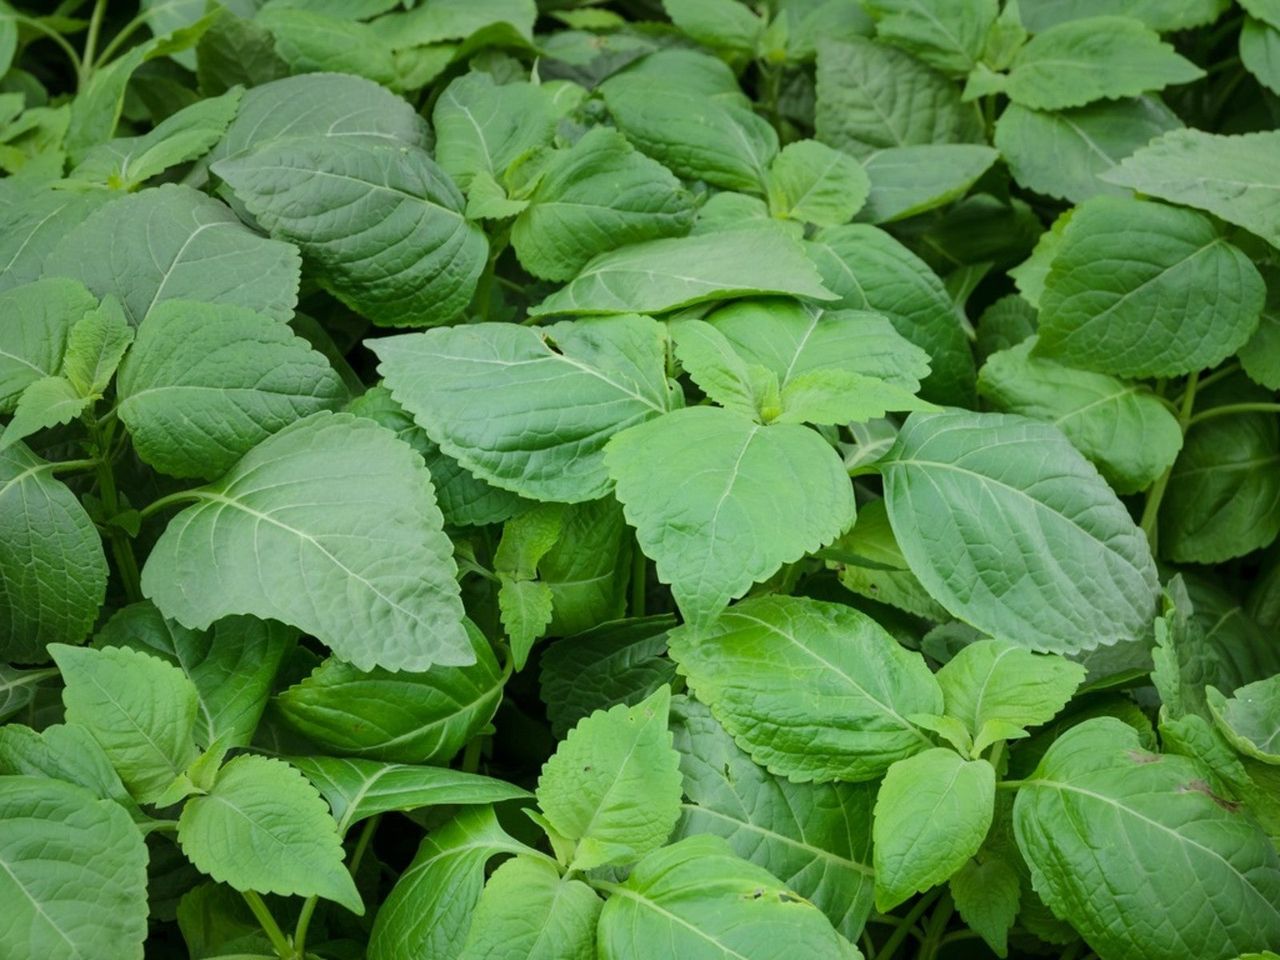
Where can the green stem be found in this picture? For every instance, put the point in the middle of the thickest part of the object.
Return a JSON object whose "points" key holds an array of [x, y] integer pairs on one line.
{"points": [[956, 936], [936, 927], [904, 928], [362, 842], [71, 466], [471, 755], [49, 32], [154, 506], [268, 923], [1011, 784], [91, 42], [639, 581], [1220, 374], [125, 33], [309, 906], [121, 544], [1231, 409], [1151, 509]]}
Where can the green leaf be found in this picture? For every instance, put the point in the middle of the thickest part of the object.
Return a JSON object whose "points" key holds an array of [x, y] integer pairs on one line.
{"points": [[141, 710], [190, 133], [1064, 154], [95, 347], [870, 270], [19, 687], [598, 195], [932, 813], [264, 828], [1102, 823], [1053, 562], [816, 838], [1250, 718], [358, 789], [1030, 275], [285, 532], [906, 181], [45, 403], [429, 911], [525, 607], [1230, 176], [482, 127], [353, 209], [587, 569], [813, 183], [237, 51], [310, 41], [53, 574], [1162, 15], [206, 383], [871, 96], [1147, 290], [703, 903], [527, 409], [456, 20], [64, 752], [75, 873], [172, 243], [949, 35], [34, 338], [855, 684], [397, 717], [722, 374], [1260, 357], [1099, 58], [613, 785], [991, 683], [615, 663], [871, 564], [677, 272], [1260, 52], [719, 502], [987, 895], [717, 23], [529, 912], [32, 222], [1131, 437], [233, 665]]}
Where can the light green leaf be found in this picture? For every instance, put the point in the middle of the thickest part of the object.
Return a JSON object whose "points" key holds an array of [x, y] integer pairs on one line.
{"points": [[994, 682], [1147, 290], [397, 717], [947, 34], [719, 502], [233, 665], [530, 409], [46, 403], [1099, 58], [1232, 177], [39, 319], [871, 96], [587, 569], [856, 684], [613, 785], [1064, 154], [1260, 52], [598, 195], [456, 20], [359, 789], [665, 274], [871, 564], [1063, 568], [813, 183], [932, 813], [838, 396], [94, 348], [264, 828], [487, 200], [1121, 426], [32, 222], [703, 903], [1265, 10], [1250, 718], [717, 23], [724, 375], [64, 752], [53, 574], [353, 209], [75, 873], [529, 912], [987, 894], [172, 243], [1162, 15], [525, 607], [205, 383], [482, 127], [906, 181], [330, 507], [141, 710], [816, 838], [1103, 823], [310, 41], [428, 912], [127, 163], [1030, 275]]}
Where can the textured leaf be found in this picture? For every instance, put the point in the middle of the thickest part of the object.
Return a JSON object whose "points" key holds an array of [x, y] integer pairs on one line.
{"points": [[95, 347], [359, 789], [719, 502], [587, 568], [722, 374], [46, 403], [529, 409], [1260, 52], [1250, 718], [329, 525], [1162, 15], [987, 895], [75, 874], [855, 687], [703, 903], [949, 35], [525, 607], [1118, 839], [398, 717], [613, 785], [263, 827], [529, 912], [456, 20], [311, 41], [932, 814], [381, 224], [906, 181], [64, 751], [39, 319], [717, 23], [814, 183], [53, 574], [676, 272], [1053, 560], [1131, 437], [873, 565], [598, 195], [482, 127], [1143, 289], [816, 838], [32, 222]]}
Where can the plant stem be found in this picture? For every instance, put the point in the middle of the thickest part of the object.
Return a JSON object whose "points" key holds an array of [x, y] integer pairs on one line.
{"points": [[937, 926], [91, 41], [639, 581], [1219, 374], [49, 32], [125, 33], [1231, 409], [279, 942], [155, 505], [71, 466], [121, 544], [904, 928], [309, 906], [471, 755], [1151, 509], [1011, 784]]}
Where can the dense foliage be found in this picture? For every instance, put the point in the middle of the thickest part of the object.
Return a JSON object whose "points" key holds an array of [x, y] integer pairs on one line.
{"points": [[639, 480]]}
